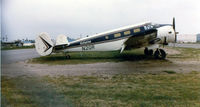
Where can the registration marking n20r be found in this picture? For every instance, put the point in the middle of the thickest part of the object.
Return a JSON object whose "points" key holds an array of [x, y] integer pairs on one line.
{"points": [[88, 47]]}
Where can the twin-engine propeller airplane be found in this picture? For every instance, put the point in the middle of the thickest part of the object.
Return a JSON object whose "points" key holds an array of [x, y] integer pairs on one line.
{"points": [[148, 35]]}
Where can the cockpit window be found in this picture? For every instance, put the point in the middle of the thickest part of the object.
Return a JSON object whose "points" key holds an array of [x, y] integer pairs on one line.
{"points": [[155, 25], [147, 27]]}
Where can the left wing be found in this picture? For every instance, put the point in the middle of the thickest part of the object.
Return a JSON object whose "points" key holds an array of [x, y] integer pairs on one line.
{"points": [[140, 40]]}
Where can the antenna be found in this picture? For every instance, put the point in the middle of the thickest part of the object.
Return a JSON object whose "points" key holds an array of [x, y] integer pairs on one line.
{"points": [[80, 35]]}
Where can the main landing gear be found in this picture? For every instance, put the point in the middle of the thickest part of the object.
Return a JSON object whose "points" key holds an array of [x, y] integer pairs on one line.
{"points": [[158, 54], [148, 52], [67, 56]]}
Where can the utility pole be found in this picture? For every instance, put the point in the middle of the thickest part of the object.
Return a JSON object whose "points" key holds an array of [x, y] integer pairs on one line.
{"points": [[3, 39], [6, 38]]}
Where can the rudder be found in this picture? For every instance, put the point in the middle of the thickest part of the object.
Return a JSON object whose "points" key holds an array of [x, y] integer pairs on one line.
{"points": [[43, 44]]}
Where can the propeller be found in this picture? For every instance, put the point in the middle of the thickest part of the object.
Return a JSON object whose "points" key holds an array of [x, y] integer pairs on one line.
{"points": [[174, 27]]}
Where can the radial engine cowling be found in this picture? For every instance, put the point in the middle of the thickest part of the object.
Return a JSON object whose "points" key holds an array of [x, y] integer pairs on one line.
{"points": [[165, 34]]}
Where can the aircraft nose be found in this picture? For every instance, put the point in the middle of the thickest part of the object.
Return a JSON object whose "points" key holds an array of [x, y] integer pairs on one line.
{"points": [[166, 34], [171, 34]]}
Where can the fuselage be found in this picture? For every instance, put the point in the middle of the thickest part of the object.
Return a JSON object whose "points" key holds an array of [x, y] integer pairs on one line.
{"points": [[116, 39]]}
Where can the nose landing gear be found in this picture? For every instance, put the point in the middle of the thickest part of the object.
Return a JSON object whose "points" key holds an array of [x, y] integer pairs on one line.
{"points": [[158, 54]]}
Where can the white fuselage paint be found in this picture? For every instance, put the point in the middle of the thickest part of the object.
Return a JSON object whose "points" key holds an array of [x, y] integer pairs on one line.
{"points": [[44, 45], [118, 44], [166, 31], [106, 46]]}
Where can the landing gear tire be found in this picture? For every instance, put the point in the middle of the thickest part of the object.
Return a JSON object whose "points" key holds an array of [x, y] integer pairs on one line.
{"points": [[67, 56], [148, 52], [160, 54], [151, 52]]}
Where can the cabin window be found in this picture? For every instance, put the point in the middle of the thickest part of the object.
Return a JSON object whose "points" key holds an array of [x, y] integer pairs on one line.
{"points": [[117, 35], [136, 30], [127, 32], [106, 37]]}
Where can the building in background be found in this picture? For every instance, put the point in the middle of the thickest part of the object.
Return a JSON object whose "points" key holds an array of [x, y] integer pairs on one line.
{"points": [[188, 38], [198, 38], [28, 43]]}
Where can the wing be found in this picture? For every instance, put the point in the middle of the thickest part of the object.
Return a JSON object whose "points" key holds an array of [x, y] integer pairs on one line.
{"points": [[140, 40]]}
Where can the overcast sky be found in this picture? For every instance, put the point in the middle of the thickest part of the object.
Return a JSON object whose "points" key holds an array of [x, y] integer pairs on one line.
{"points": [[26, 18]]}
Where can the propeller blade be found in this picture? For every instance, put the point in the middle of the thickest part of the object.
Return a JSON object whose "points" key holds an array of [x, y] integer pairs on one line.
{"points": [[174, 27], [175, 38]]}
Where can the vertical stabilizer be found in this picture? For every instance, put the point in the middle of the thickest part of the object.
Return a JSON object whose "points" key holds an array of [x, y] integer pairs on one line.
{"points": [[61, 39], [43, 44]]}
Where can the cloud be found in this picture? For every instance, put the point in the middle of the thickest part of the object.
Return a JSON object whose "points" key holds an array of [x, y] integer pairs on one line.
{"points": [[27, 18]]}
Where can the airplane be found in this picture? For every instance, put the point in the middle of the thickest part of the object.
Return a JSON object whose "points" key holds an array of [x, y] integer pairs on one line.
{"points": [[148, 35]]}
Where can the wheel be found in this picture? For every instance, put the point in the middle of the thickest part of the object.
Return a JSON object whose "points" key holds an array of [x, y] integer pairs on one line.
{"points": [[150, 52], [146, 51], [163, 54], [67, 56], [156, 54], [160, 54]]}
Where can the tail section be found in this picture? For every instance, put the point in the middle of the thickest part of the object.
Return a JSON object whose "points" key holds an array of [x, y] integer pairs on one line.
{"points": [[61, 39], [43, 44]]}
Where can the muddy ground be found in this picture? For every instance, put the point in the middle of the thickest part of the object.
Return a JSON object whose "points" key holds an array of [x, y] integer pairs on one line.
{"points": [[172, 63], [25, 84]]}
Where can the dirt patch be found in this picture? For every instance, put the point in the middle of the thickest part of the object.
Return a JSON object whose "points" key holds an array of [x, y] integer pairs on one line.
{"points": [[171, 51], [108, 68], [152, 66], [106, 83]]}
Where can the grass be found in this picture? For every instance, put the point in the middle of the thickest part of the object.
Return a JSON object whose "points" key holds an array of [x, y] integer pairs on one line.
{"points": [[130, 90], [114, 56], [91, 57], [11, 96], [139, 90], [16, 47], [29, 92], [186, 54], [181, 90]]}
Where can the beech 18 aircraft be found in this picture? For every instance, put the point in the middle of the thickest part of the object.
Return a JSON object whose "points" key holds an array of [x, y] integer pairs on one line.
{"points": [[148, 35]]}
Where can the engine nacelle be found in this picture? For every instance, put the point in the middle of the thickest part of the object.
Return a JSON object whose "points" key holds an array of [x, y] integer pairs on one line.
{"points": [[166, 34]]}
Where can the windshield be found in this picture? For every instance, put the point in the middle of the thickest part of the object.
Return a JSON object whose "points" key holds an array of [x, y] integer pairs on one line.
{"points": [[155, 25]]}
